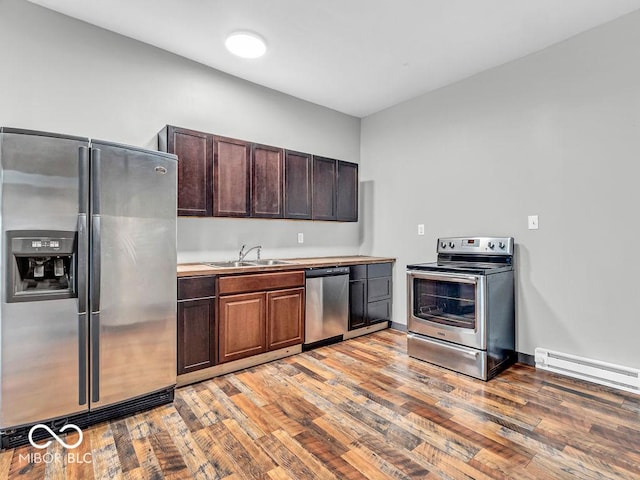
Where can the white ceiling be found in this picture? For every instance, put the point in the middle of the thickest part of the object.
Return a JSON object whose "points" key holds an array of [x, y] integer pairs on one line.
{"points": [[355, 56]]}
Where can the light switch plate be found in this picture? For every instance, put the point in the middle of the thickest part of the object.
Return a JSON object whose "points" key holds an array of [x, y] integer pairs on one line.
{"points": [[533, 222], [301, 238], [421, 229]]}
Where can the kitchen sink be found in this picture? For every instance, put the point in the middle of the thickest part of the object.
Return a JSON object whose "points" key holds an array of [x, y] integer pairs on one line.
{"points": [[231, 264], [270, 262], [252, 263]]}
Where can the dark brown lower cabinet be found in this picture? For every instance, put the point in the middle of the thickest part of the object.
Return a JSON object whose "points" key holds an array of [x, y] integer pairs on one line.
{"points": [[195, 335], [196, 324], [379, 311], [259, 313], [370, 294], [357, 304], [242, 326]]}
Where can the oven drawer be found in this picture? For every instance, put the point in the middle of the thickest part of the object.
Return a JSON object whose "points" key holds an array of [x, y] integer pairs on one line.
{"points": [[465, 360]]}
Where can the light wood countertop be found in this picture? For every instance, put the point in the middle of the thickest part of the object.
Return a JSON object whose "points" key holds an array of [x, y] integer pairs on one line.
{"points": [[194, 269]]}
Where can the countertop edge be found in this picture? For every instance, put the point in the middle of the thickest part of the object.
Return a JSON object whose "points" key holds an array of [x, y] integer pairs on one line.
{"points": [[200, 269]]}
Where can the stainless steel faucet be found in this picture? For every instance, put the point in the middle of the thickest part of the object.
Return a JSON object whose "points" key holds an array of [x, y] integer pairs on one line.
{"points": [[242, 255]]}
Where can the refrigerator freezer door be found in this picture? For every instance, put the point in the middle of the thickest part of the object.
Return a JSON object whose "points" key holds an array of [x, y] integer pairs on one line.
{"points": [[40, 343], [133, 293]]}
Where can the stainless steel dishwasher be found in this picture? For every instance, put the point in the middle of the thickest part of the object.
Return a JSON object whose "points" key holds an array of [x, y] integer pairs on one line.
{"points": [[327, 306]]}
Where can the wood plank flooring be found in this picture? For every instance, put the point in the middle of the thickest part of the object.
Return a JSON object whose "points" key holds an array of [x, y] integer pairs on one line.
{"points": [[360, 410]]}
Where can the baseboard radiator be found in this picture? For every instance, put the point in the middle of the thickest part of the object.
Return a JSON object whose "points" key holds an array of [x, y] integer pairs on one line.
{"points": [[615, 376]]}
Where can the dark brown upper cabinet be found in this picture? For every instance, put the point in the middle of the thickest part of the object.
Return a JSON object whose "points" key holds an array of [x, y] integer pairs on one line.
{"points": [[347, 192], [231, 177], [297, 185], [195, 168], [335, 190], [370, 294], [267, 165], [324, 189], [226, 177]]}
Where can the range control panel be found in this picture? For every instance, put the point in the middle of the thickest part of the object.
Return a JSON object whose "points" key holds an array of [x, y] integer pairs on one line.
{"points": [[476, 245]]}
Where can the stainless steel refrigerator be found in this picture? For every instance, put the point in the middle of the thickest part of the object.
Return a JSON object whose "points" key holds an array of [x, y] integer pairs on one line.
{"points": [[88, 316]]}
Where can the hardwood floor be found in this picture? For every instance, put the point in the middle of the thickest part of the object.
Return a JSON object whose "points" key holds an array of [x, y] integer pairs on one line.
{"points": [[362, 410]]}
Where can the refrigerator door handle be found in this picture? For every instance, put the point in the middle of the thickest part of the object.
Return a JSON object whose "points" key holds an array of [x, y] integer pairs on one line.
{"points": [[95, 181], [95, 310], [81, 286], [95, 274], [95, 264], [82, 364], [83, 177], [83, 246], [95, 357], [95, 230], [81, 281], [83, 238]]}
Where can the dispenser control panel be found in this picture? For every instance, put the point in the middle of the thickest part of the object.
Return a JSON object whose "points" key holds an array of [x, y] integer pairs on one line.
{"points": [[43, 245]]}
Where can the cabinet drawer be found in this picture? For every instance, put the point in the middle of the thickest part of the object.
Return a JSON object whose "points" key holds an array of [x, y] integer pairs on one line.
{"points": [[375, 270], [196, 287], [378, 289], [357, 272], [379, 311], [260, 282]]}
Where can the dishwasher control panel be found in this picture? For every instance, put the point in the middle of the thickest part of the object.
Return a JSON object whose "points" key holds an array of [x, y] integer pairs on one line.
{"points": [[326, 272]]}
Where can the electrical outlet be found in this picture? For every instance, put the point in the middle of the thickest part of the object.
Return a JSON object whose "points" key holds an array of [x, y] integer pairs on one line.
{"points": [[533, 222], [421, 229], [301, 238]]}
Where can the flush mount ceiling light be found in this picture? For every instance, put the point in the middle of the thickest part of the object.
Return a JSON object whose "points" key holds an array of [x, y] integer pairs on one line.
{"points": [[245, 45]]}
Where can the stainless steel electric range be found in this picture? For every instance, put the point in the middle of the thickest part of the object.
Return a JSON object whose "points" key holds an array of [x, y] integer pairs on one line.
{"points": [[461, 310]]}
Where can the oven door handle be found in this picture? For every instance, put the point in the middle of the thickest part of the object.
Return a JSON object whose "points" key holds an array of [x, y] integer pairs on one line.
{"points": [[446, 277]]}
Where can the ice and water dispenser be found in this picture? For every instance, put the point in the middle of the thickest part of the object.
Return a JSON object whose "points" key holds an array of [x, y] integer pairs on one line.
{"points": [[41, 265]]}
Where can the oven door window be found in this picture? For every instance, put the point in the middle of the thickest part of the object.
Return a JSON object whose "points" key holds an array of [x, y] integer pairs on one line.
{"points": [[445, 302]]}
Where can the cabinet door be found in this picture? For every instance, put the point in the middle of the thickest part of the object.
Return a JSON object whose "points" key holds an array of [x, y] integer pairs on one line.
{"points": [[266, 187], [357, 304], [324, 189], [242, 326], [297, 185], [231, 177], [195, 167], [196, 346], [285, 318], [347, 192]]}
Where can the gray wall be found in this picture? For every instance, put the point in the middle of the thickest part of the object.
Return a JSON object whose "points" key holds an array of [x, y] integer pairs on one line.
{"points": [[62, 75], [555, 134]]}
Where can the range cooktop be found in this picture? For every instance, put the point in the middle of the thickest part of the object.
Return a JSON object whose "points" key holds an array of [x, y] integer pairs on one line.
{"points": [[462, 267], [471, 255]]}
